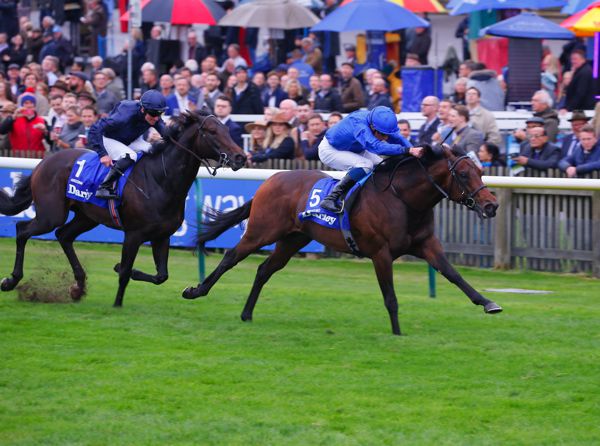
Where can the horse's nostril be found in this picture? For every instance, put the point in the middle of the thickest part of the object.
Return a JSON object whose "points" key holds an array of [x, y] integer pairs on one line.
{"points": [[490, 209]]}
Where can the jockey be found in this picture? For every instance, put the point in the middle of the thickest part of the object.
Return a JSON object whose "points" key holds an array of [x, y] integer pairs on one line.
{"points": [[355, 143], [121, 134]]}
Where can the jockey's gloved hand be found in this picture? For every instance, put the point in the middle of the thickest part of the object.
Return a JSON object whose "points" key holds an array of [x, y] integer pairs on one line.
{"points": [[426, 146], [157, 148]]}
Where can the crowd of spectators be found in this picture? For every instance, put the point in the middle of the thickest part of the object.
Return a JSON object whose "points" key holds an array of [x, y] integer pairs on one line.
{"points": [[50, 96]]}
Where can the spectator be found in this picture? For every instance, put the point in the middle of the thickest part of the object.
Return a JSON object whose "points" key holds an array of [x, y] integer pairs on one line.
{"points": [[311, 138], [351, 90], [521, 135], [6, 96], [25, 128], [288, 109], [4, 50], [106, 100], [89, 116], [181, 100], [570, 141], [50, 69], [260, 80], [482, 119], [380, 95], [585, 157], [14, 81], [233, 57], [314, 85], [115, 83], [258, 132], [412, 60], [334, 118], [350, 54], [166, 85], [444, 127], [195, 50], [69, 133], [78, 82], [489, 155], [223, 112], [541, 105], [34, 43], [30, 83], [486, 82], [211, 90], [17, 53], [246, 97], [327, 99], [460, 89], [269, 113], [149, 80], [85, 99], [59, 47], [278, 144], [561, 102], [429, 108], [580, 92], [6, 110], [466, 137], [420, 45], [96, 63], [273, 93], [294, 90], [57, 112], [538, 153], [406, 131], [97, 21], [312, 54], [69, 100], [300, 125]]}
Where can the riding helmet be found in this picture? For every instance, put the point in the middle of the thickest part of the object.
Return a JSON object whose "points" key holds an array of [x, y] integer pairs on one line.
{"points": [[383, 119], [153, 100]]}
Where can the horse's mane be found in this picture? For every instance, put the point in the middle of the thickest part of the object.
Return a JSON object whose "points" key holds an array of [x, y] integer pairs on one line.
{"points": [[178, 124], [432, 155]]}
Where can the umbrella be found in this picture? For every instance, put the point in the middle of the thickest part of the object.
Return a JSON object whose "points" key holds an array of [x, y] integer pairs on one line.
{"points": [[529, 26], [467, 6], [370, 15], [586, 23], [180, 12], [576, 5], [415, 5], [279, 14]]}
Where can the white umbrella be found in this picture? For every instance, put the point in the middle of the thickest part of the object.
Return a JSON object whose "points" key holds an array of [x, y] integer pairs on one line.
{"points": [[280, 14]]}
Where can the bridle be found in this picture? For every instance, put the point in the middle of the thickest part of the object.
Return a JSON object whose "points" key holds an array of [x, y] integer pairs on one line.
{"points": [[224, 159]]}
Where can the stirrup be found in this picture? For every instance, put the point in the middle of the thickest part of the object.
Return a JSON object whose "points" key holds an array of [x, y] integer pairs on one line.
{"points": [[335, 210]]}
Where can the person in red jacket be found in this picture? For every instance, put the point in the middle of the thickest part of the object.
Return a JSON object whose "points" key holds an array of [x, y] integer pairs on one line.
{"points": [[25, 128]]}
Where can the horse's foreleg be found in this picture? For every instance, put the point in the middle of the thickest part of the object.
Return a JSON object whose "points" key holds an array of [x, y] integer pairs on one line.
{"points": [[160, 251], [131, 246], [382, 262], [25, 230], [284, 250], [431, 250], [66, 235]]}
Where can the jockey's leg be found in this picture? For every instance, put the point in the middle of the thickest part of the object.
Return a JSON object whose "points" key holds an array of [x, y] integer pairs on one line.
{"points": [[357, 164], [125, 157]]}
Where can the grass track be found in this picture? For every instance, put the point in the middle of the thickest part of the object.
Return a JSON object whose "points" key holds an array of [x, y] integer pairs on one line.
{"points": [[318, 366]]}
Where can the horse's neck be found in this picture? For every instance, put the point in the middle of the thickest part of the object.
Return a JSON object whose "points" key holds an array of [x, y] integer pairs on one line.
{"points": [[179, 168]]}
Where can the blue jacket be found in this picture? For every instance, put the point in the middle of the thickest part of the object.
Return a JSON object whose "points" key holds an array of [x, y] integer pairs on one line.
{"points": [[353, 134], [125, 123], [173, 105], [584, 163]]}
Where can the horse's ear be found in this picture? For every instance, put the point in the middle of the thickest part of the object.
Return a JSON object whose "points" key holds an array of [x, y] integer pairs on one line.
{"points": [[442, 150]]}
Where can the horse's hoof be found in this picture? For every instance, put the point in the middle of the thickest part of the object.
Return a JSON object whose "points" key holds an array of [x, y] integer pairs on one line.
{"points": [[75, 291], [8, 284], [117, 305], [190, 293], [117, 268], [246, 317], [492, 308]]}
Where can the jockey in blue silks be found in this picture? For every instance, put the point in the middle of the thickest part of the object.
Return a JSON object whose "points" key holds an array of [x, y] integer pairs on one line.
{"points": [[120, 135], [355, 143]]}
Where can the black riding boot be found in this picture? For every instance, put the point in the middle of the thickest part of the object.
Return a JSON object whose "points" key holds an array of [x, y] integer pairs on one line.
{"points": [[106, 190], [340, 190]]}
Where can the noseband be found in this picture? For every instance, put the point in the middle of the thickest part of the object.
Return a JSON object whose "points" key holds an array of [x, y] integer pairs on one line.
{"points": [[224, 159]]}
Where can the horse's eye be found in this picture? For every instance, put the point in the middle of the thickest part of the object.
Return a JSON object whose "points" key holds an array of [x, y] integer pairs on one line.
{"points": [[463, 174]]}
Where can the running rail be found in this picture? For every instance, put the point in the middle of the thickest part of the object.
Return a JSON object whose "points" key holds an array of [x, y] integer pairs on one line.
{"points": [[263, 174]]}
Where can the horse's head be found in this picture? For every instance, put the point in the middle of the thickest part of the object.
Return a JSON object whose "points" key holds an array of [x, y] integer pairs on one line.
{"points": [[208, 138], [463, 182]]}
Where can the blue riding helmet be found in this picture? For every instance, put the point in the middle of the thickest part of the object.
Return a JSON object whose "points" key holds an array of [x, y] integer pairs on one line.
{"points": [[383, 119], [153, 100]]}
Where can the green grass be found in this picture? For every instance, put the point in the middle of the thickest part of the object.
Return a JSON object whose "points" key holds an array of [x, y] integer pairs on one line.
{"points": [[318, 366]]}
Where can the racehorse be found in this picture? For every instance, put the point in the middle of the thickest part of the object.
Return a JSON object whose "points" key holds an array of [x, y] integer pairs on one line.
{"points": [[152, 206], [393, 215]]}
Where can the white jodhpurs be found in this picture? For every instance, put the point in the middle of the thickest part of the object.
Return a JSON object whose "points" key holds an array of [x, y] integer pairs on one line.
{"points": [[117, 150], [344, 160]]}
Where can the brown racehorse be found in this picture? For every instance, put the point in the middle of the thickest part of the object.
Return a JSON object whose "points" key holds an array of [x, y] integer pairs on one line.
{"points": [[152, 206], [392, 216]]}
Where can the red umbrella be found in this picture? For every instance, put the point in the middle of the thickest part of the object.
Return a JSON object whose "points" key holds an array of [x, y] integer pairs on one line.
{"points": [[180, 12], [415, 5]]}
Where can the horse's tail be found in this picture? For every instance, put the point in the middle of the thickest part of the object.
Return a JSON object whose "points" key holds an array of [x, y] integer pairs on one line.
{"points": [[219, 222], [21, 199]]}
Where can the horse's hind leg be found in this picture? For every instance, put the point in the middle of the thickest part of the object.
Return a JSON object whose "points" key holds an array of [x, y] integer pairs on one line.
{"points": [[244, 248], [160, 251], [284, 250], [66, 235], [26, 230], [432, 251]]}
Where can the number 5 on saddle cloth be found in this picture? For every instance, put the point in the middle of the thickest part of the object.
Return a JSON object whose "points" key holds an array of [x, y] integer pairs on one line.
{"points": [[313, 212]]}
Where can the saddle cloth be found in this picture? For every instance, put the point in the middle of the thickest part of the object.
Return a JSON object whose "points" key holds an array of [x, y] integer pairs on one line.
{"points": [[313, 212], [86, 175]]}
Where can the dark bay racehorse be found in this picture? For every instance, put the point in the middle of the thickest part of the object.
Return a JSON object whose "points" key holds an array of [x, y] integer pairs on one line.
{"points": [[152, 206], [392, 216]]}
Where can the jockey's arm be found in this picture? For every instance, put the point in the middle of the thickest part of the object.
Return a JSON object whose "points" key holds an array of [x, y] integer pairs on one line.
{"points": [[365, 137]]}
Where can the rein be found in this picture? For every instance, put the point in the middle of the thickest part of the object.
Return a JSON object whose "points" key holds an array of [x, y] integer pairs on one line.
{"points": [[223, 157]]}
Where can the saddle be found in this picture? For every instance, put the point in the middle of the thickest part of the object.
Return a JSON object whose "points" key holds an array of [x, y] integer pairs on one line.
{"points": [[313, 212]]}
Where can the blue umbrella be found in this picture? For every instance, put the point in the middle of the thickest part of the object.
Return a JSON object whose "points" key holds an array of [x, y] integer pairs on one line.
{"points": [[370, 15], [576, 6], [529, 26], [467, 6]]}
